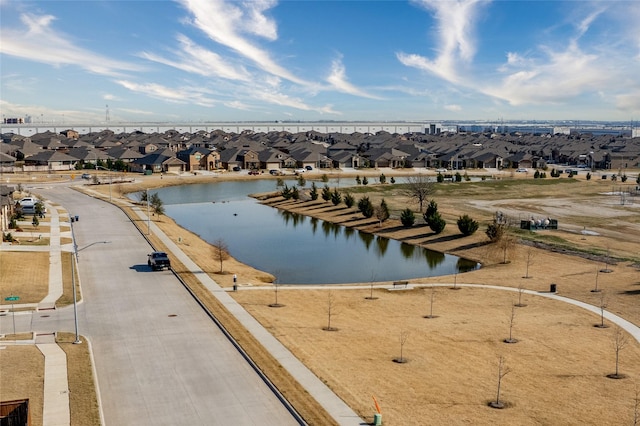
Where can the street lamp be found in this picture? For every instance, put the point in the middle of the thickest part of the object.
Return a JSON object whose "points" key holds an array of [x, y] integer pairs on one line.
{"points": [[74, 259]]}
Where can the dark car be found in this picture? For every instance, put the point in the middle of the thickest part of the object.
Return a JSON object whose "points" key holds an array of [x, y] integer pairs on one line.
{"points": [[158, 260], [236, 169], [308, 167]]}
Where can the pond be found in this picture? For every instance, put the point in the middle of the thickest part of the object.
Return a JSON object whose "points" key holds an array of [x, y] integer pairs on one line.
{"points": [[295, 248]]}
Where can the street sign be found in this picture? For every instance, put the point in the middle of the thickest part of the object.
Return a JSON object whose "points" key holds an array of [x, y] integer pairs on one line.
{"points": [[11, 298]]}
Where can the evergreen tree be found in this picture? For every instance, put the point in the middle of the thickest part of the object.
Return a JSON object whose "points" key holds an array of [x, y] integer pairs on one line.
{"points": [[349, 201], [407, 218], [326, 193], [466, 225], [336, 197], [314, 191], [365, 207]]}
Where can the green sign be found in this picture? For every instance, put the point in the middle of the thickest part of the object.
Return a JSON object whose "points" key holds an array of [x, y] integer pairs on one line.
{"points": [[11, 298]]}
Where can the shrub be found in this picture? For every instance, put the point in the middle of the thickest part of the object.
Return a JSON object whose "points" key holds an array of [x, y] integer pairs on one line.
{"points": [[326, 193], [349, 201], [440, 178], [314, 191], [365, 207], [458, 177], [432, 209], [437, 223], [467, 226], [336, 197], [495, 231], [383, 178], [407, 218], [365, 181]]}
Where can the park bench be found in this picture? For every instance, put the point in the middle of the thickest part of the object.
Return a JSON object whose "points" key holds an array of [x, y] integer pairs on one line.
{"points": [[400, 283]]}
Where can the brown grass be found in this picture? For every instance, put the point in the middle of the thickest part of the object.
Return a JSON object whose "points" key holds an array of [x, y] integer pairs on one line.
{"points": [[29, 283], [558, 366], [22, 377], [83, 401]]}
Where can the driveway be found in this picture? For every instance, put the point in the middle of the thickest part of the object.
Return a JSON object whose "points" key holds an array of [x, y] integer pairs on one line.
{"points": [[159, 359]]}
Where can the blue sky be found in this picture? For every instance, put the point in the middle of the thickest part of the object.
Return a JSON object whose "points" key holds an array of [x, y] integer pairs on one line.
{"points": [[265, 60]]}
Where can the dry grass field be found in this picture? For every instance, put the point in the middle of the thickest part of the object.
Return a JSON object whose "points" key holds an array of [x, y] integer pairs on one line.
{"points": [[557, 368]]}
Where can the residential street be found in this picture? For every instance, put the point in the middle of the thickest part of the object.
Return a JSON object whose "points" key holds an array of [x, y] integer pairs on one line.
{"points": [[159, 359]]}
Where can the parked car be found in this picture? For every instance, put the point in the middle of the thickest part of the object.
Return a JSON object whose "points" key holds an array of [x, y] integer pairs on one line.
{"points": [[158, 260], [86, 176], [298, 171], [254, 172], [522, 170], [236, 169], [275, 172], [441, 170], [308, 168]]}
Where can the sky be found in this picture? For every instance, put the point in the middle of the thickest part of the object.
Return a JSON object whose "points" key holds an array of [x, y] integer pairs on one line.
{"points": [[306, 60]]}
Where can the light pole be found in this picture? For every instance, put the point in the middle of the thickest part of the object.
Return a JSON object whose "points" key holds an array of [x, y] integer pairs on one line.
{"points": [[109, 177], [74, 259]]}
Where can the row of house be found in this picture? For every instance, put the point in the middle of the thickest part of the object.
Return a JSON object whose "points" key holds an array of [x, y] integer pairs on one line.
{"points": [[174, 152]]}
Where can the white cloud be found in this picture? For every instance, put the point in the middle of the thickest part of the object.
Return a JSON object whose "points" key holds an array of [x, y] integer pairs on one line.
{"points": [[224, 23], [198, 60], [184, 95], [338, 81], [38, 41], [455, 25], [629, 102], [453, 107]]}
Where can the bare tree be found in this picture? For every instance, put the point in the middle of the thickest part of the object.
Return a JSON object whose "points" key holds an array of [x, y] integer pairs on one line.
{"points": [[371, 296], [520, 292], [506, 244], [419, 188], [596, 289], [620, 340], [503, 370], [603, 306], [331, 311], [512, 320], [455, 282], [275, 304], [404, 335], [220, 251], [431, 299], [529, 256]]}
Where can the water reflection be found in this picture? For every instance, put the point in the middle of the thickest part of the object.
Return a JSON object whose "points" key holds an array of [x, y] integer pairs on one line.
{"points": [[297, 250]]}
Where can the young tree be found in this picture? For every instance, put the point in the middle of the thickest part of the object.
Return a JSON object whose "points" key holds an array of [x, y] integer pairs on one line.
{"points": [[512, 320], [602, 306], [220, 251], [365, 207], [432, 209], [520, 293], [407, 218], [275, 304], [392, 180], [596, 289], [419, 188], [431, 300], [157, 204], [331, 311], [326, 193], [620, 340], [301, 180], [336, 197], [349, 201], [365, 181], [279, 182], [286, 192], [383, 178], [358, 181], [466, 225], [295, 194], [503, 370], [314, 191], [505, 244], [437, 223], [35, 222], [495, 231], [324, 178], [529, 256], [382, 212], [404, 335]]}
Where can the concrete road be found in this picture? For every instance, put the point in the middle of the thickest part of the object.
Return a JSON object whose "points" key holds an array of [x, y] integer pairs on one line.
{"points": [[159, 359]]}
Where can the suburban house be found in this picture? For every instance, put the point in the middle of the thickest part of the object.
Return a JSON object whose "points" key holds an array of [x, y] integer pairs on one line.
{"points": [[199, 158], [158, 162]]}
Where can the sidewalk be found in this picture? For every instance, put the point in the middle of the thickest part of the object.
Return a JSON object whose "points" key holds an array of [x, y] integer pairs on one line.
{"points": [[56, 410], [341, 412]]}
